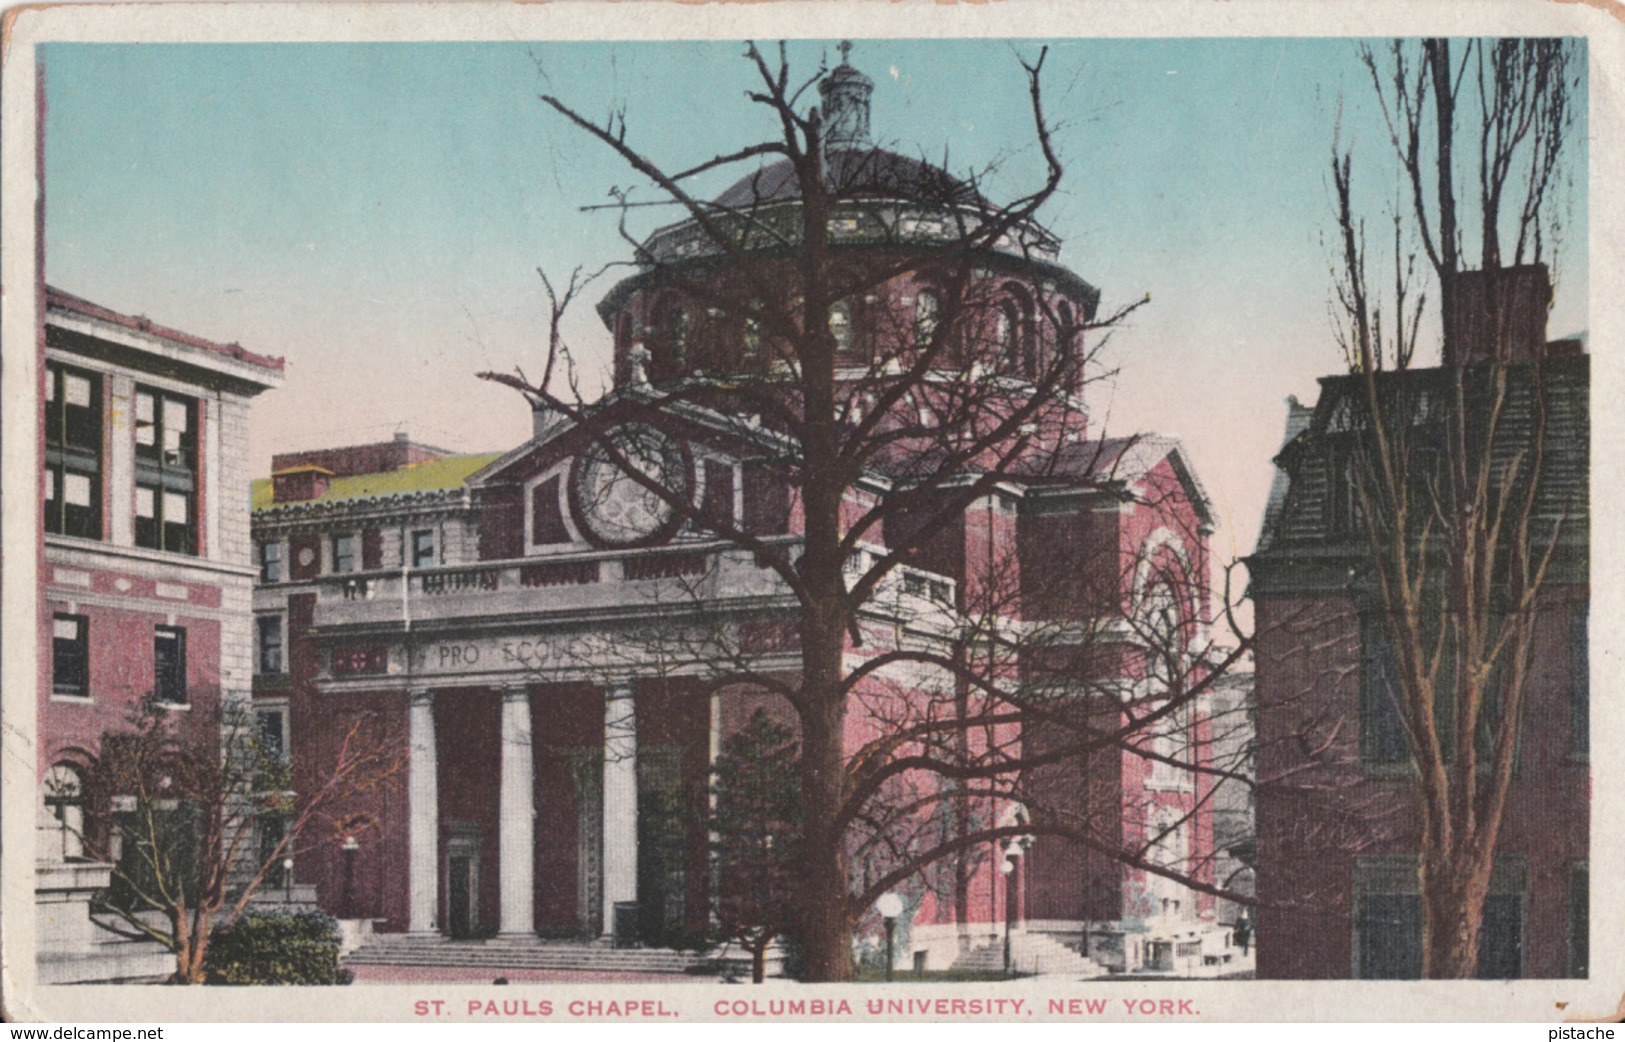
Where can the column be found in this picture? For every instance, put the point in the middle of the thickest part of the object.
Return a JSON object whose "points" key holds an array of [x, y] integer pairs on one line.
{"points": [[516, 828], [424, 833], [620, 800]]}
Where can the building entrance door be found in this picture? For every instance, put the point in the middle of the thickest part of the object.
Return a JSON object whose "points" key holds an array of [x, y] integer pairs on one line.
{"points": [[459, 906], [463, 886]]}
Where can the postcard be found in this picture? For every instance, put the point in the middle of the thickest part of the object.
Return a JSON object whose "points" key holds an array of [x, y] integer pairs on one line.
{"points": [[808, 512]]}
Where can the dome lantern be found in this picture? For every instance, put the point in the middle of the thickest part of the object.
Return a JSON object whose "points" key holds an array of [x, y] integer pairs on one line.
{"points": [[845, 92]]}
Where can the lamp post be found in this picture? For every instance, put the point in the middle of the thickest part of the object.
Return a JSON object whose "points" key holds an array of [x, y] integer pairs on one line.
{"points": [[287, 881], [890, 906], [1007, 868]]}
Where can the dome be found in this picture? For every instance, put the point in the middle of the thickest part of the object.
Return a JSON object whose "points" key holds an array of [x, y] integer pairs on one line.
{"points": [[872, 173]]}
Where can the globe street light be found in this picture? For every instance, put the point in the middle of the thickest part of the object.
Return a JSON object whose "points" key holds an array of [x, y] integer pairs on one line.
{"points": [[890, 906], [287, 881], [1007, 869]]}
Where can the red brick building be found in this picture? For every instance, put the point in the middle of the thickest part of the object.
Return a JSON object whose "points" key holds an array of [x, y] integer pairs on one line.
{"points": [[144, 579], [1337, 812], [560, 648]]}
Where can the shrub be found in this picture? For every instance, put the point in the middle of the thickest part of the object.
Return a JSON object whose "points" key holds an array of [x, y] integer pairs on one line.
{"points": [[258, 948]]}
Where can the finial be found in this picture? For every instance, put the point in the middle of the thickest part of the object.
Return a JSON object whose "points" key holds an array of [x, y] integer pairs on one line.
{"points": [[846, 51]]}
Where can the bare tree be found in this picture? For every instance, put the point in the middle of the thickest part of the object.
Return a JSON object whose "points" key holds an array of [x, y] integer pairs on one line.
{"points": [[1444, 469], [203, 813], [887, 451]]}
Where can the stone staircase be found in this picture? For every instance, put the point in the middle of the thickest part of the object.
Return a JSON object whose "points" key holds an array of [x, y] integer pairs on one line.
{"points": [[1031, 955], [525, 953]]}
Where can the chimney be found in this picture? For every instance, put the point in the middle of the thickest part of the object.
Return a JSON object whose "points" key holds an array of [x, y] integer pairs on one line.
{"points": [[1497, 315], [299, 484]]}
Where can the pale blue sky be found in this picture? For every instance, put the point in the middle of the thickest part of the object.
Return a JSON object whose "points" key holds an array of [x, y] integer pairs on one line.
{"points": [[376, 212]]}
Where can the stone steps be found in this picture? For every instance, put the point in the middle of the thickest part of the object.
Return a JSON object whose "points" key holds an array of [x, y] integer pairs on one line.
{"points": [[1032, 955], [525, 953]]}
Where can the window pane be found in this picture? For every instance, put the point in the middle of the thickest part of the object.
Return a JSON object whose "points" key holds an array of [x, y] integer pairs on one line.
{"points": [[1580, 680], [169, 664], [270, 562], [143, 407], [76, 390], [1390, 937], [50, 485], [270, 736], [144, 502], [270, 627], [1500, 938], [76, 489], [423, 549], [1580, 921], [1383, 732], [70, 655], [175, 508], [175, 417]]}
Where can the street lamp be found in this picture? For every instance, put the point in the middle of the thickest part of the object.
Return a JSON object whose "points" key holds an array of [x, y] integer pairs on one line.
{"points": [[890, 906], [1007, 868], [287, 881]]}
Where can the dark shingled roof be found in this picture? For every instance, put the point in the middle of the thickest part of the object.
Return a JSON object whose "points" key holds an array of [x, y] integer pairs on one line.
{"points": [[869, 173]]}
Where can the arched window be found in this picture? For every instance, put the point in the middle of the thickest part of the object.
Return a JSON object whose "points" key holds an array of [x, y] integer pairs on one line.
{"points": [[677, 337], [1067, 347], [62, 814], [1013, 326], [840, 326], [927, 311], [753, 335], [1007, 334]]}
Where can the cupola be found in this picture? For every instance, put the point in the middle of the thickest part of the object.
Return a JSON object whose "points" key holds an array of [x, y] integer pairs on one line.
{"points": [[846, 105]]}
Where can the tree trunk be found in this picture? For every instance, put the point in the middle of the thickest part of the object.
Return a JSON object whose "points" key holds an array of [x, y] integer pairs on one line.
{"points": [[826, 925], [1454, 886]]}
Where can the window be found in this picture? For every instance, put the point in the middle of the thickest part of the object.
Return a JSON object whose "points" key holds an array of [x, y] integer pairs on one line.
{"points": [[270, 562], [423, 555], [1344, 516], [169, 665], [62, 825], [547, 526], [272, 829], [1171, 740], [70, 656], [753, 336], [1382, 725], [1580, 920], [1390, 936], [270, 633], [73, 452], [344, 553], [1580, 680], [1388, 920], [271, 731], [927, 310], [677, 338], [717, 505], [840, 326], [165, 472]]}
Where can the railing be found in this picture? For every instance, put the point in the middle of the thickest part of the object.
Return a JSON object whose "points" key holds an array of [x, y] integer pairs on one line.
{"points": [[596, 577]]}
